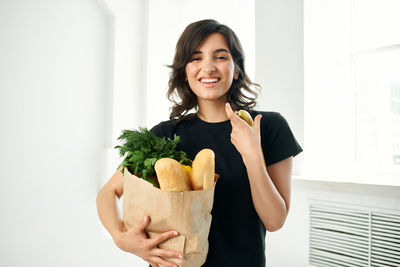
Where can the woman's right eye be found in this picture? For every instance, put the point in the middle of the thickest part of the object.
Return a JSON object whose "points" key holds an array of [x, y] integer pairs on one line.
{"points": [[195, 59]]}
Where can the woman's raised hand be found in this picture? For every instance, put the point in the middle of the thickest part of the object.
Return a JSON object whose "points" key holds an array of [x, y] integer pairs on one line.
{"points": [[136, 241], [245, 138]]}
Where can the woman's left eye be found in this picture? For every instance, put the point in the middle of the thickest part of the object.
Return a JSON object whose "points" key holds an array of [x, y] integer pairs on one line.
{"points": [[222, 57]]}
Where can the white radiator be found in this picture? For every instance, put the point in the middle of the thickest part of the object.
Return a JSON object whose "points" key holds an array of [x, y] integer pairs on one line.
{"points": [[345, 236]]}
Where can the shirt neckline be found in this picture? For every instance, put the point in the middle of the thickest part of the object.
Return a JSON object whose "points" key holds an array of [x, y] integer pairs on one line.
{"points": [[220, 123]]}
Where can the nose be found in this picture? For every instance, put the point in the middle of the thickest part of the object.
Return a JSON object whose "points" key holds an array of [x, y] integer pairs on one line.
{"points": [[209, 65]]}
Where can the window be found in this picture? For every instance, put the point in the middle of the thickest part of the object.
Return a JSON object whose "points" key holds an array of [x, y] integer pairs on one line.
{"points": [[377, 88], [352, 90]]}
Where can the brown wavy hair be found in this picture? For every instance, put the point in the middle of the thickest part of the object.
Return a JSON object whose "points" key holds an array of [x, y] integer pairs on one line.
{"points": [[191, 38]]}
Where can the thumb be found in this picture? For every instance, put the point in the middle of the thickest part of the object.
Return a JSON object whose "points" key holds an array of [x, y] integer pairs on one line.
{"points": [[145, 222], [140, 227], [257, 121]]}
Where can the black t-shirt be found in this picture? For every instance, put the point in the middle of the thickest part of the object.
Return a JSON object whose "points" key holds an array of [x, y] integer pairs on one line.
{"points": [[237, 235]]}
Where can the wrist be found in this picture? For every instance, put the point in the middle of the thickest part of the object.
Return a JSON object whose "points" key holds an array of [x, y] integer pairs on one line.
{"points": [[252, 158], [119, 240], [117, 233]]}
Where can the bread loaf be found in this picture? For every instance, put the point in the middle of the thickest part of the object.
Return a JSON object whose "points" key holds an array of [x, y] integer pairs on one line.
{"points": [[203, 168], [171, 175]]}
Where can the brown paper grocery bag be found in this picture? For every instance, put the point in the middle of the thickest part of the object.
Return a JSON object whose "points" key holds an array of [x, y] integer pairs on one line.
{"points": [[188, 213]]}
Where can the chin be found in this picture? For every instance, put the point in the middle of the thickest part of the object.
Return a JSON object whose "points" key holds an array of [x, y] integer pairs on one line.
{"points": [[214, 98]]}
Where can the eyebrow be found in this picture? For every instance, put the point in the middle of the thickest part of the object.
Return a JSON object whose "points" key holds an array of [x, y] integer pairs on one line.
{"points": [[215, 51]]}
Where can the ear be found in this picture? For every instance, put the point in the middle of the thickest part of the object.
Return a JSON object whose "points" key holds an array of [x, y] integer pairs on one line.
{"points": [[236, 75]]}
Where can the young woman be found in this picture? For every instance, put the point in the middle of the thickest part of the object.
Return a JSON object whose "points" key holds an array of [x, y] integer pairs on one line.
{"points": [[250, 197]]}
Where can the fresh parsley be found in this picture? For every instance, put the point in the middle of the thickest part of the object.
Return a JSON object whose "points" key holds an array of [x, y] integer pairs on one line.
{"points": [[142, 149]]}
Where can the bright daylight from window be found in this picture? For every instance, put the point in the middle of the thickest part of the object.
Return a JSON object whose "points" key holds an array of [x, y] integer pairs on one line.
{"points": [[352, 90]]}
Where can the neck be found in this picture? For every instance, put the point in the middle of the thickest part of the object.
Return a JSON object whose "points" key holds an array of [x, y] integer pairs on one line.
{"points": [[211, 111]]}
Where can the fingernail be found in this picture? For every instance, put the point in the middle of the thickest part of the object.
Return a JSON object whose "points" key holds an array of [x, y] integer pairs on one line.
{"points": [[175, 233], [180, 256]]}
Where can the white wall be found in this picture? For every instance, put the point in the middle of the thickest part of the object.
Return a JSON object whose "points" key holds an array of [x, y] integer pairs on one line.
{"points": [[53, 110], [279, 63]]}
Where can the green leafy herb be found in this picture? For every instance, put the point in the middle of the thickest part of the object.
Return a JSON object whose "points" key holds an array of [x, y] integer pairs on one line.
{"points": [[143, 148]]}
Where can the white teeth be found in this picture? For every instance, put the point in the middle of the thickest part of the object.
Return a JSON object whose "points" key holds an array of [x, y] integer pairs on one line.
{"points": [[209, 80]]}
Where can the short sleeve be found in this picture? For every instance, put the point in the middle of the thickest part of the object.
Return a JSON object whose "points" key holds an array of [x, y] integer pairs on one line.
{"points": [[277, 139]]}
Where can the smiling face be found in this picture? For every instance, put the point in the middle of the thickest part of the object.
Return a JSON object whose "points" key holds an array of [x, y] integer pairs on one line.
{"points": [[211, 69]]}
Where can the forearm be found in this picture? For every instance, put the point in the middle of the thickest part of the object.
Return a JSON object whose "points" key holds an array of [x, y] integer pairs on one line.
{"points": [[268, 202], [108, 212], [133, 240]]}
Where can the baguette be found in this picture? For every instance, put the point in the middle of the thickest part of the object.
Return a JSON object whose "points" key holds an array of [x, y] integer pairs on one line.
{"points": [[171, 175], [203, 168]]}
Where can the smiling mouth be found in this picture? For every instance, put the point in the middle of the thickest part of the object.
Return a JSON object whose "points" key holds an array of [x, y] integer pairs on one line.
{"points": [[209, 80]]}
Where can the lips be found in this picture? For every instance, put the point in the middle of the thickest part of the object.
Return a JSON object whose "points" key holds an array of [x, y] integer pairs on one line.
{"points": [[209, 80]]}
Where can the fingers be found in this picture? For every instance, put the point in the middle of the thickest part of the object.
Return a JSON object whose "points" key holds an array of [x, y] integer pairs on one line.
{"points": [[257, 121], [159, 255], [228, 110], [235, 119], [168, 253], [162, 237], [159, 260]]}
